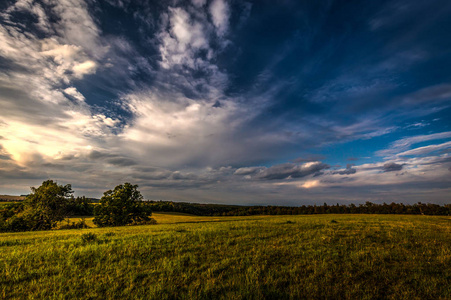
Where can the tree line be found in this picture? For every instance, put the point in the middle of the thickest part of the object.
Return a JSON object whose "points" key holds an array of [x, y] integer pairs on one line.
{"points": [[235, 210]]}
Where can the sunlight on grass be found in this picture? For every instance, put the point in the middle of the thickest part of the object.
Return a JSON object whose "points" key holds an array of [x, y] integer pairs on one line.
{"points": [[184, 256]]}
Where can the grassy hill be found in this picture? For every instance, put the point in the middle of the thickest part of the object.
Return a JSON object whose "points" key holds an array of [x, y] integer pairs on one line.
{"points": [[253, 257]]}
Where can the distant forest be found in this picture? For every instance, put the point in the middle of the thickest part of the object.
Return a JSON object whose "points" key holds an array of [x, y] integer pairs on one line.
{"points": [[236, 210]]}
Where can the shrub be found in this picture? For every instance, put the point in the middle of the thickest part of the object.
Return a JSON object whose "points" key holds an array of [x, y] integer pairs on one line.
{"points": [[88, 237], [74, 225], [14, 224]]}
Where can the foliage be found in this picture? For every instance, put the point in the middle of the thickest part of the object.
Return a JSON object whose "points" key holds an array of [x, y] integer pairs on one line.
{"points": [[47, 205], [255, 257], [122, 206], [14, 224], [236, 210], [74, 225], [80, 206], [41, 210], [10, 209]]}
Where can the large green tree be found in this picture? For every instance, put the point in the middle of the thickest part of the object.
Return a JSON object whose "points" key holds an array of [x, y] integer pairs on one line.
{"points": [[47, 205], [122, 206]]}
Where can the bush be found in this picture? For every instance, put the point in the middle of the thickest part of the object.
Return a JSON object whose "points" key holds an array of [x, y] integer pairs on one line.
{"points": [[88, 237], [14, 224], [74, 225]]}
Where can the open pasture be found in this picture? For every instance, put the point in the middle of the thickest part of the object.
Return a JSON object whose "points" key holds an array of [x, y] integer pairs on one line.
{"points": [[256, 257]]}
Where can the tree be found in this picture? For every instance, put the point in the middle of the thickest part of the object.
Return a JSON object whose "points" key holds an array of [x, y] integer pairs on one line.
{"points": [[122, 206], [47, 205]]}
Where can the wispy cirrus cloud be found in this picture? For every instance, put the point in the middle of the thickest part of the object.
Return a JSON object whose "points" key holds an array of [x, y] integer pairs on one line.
{"points": [[400, 147]]}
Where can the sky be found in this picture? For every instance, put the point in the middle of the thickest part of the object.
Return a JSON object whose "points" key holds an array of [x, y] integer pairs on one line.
{"points": [[228, 101]]}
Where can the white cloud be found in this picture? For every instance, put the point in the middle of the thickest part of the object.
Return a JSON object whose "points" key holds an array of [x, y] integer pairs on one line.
{"points": [[40, 123], [84, 68], [73, 92], [199, 3], [310, 184], [219, 10], [76, 26], [404, 144], [185, 39], [426, 149], [174, 129]]}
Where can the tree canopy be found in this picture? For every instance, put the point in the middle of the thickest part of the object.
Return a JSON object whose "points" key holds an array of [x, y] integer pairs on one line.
{"points": [[47, 205], [122, 206]]}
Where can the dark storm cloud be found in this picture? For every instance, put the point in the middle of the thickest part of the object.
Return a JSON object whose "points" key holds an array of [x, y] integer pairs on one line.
{"points": [[121, 161], [113, 159], [180, 176], [391, 167], [348, 171], [99, 155], [248, 170], [290, 170]]}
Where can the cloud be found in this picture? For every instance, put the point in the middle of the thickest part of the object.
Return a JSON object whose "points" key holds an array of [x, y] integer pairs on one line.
{"points": [[74, 93], [404, 144], [391, 167], [161, 97], [248, 170], [441, 92], [121, 161], [219, 10], [4, 155], [310, 184], [348, 171], [179, 176], [84, 68], [185, 39], [426, 149], [199, 3], [282, 171], [291, 170], [309, 158], [41, 119]]}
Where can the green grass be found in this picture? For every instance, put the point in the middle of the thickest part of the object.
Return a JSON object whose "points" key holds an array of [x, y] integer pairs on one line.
{"points": [[7, 202], [258, 257]]}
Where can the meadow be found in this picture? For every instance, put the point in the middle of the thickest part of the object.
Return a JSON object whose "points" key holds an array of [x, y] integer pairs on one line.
{"points": [[254, 257]]}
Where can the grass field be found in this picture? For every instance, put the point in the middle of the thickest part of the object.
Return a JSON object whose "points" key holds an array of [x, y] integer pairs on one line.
{"points": [[259, 257]]}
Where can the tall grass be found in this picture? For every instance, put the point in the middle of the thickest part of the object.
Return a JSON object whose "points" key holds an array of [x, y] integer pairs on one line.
{"points": [[264, 257]]}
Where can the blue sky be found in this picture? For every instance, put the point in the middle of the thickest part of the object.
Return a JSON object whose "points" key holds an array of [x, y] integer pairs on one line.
{"points": [[239, 102]]}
